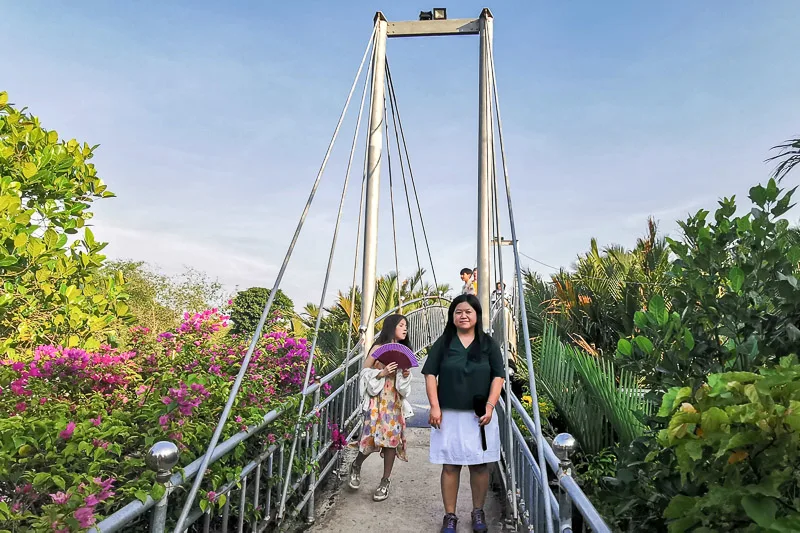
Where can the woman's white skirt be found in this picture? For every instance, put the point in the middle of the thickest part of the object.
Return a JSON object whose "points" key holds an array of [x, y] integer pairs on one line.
{"points": [[458, 440]]}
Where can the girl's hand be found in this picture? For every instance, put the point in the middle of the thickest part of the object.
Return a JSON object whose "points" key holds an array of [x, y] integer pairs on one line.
{"points": [[406, 372], [435, 417], [388, 370], [485, 419]]}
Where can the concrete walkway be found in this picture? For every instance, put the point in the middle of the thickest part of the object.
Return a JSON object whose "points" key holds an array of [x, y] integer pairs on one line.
{"points": [[415, 502]]}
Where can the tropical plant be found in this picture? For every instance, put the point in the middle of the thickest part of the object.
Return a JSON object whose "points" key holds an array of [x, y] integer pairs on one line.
{"points": [[736, 439], [734, 303], [788, 156], [601, 406], [733, 306], [75, 425], [595, 303], [52, 287], [248, 306]]}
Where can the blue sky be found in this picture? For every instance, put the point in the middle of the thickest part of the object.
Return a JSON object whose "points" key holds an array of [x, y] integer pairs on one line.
{"points": [[213, 118]]}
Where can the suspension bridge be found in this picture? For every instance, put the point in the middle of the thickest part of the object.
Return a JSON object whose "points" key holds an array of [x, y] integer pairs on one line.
{"points": [[281, 482]]}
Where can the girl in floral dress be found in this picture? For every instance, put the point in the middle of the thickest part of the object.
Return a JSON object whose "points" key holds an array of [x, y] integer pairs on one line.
{"points": [[384, 392]]}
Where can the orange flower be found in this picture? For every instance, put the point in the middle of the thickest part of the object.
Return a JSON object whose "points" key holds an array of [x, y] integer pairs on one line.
{"points": [[737, 457]]}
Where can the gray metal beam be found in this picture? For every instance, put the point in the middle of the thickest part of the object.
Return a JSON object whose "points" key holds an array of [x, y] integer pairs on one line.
{"points": [[374, 148], [485, 163], [422, 28]]}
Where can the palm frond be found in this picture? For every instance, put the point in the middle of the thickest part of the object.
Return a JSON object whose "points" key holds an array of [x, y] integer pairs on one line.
{"points": [[788, 157]]}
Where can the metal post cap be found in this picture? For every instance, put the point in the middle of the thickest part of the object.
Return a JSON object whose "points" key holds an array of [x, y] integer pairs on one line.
{"points": [[563, 446], [161, 457]]}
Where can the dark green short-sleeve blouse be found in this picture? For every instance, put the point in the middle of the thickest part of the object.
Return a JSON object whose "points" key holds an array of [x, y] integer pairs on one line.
{"points": [[459, 378]]}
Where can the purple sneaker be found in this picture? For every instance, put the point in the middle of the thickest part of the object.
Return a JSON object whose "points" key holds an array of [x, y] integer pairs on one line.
{"points": [[479, 521], [449, 523]]}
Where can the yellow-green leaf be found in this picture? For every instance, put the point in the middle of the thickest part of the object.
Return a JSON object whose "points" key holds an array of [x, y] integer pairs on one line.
{"points": [[29, 169], [74, 341], [3, 98], [20, 240]]}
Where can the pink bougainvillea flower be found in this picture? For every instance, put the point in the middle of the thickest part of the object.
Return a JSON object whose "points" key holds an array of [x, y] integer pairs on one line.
{"points": [[96, 421], [85, 517], [91, 500], [67, 433], [60, 498], [20, 407], [211, 495]]}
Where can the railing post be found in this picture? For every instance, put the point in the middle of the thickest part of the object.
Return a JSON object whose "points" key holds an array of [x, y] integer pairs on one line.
{"points": [[314, 451], [161, 458], [564, 445]]}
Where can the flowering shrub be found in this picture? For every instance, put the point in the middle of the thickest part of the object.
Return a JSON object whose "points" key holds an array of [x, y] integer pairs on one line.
{"points": [[75, 426]]}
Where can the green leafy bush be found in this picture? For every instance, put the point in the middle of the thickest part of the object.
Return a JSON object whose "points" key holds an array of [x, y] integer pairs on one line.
{"points": [[734, 302], [737, 444], [75, 425], [52, 290], [733, 305]]}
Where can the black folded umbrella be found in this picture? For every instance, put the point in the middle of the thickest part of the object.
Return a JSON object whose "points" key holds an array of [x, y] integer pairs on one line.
{"points": [[479, 405]]}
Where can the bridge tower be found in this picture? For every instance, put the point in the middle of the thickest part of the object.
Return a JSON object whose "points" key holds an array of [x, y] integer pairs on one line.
{"points": [[431, 23]]}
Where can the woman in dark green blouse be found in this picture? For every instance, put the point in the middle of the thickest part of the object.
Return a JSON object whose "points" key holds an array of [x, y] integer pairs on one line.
{"points": [[469, 367]]}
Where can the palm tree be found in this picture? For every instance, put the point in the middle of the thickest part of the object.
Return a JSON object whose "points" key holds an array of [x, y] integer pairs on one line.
{"points": [[594, 304], [788, 157], [332, 342]]}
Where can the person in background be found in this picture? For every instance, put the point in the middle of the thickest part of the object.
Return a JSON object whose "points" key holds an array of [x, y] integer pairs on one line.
{"points": [[386, 408], [466, 277], [499, 294], [475, 281], [470, 371]]}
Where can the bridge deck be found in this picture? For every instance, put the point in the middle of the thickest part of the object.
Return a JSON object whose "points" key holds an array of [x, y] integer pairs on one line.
{"points": [[414, 504]]}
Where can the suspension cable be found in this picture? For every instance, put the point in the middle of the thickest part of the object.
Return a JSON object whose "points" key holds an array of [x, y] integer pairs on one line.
{"points": [[181, 523], [310, 364], [393, 97], [501, 312], [531, 374], [391, 201]]}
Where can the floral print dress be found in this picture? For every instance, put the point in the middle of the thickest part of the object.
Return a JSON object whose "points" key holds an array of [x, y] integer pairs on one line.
{"points": [[384, 425]]}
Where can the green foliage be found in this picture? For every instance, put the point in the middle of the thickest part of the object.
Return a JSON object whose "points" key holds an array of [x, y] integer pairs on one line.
{"points": [[732, 306], [158, 302], [599, 407], [734, 302], [62, 439], [248, 305], [52, 289], [596, 303], [737, 444]]}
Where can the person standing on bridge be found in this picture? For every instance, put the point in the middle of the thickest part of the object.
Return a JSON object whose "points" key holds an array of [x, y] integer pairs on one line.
{"points": [[385, 407], [469, 368], [466, 277]]}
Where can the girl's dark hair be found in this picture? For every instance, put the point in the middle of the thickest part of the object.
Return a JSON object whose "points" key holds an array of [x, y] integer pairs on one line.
{"points": [[386, 335], [450, 329]]}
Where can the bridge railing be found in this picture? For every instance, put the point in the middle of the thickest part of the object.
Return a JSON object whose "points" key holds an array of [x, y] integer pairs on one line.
{"points": [[252, 500], [529, 496]]}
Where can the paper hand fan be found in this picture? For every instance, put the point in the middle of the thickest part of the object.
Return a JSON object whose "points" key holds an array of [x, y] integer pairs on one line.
{"points": [[396, 353]]}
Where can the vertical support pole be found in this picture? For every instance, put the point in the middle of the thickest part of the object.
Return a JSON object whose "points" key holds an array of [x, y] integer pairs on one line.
{"points": [[484, 167], [374, 148], [564, 445], [310, 518]]}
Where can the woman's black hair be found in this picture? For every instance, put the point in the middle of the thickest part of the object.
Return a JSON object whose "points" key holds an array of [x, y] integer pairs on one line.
{"points": [[386, 335], [450, 330]]}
